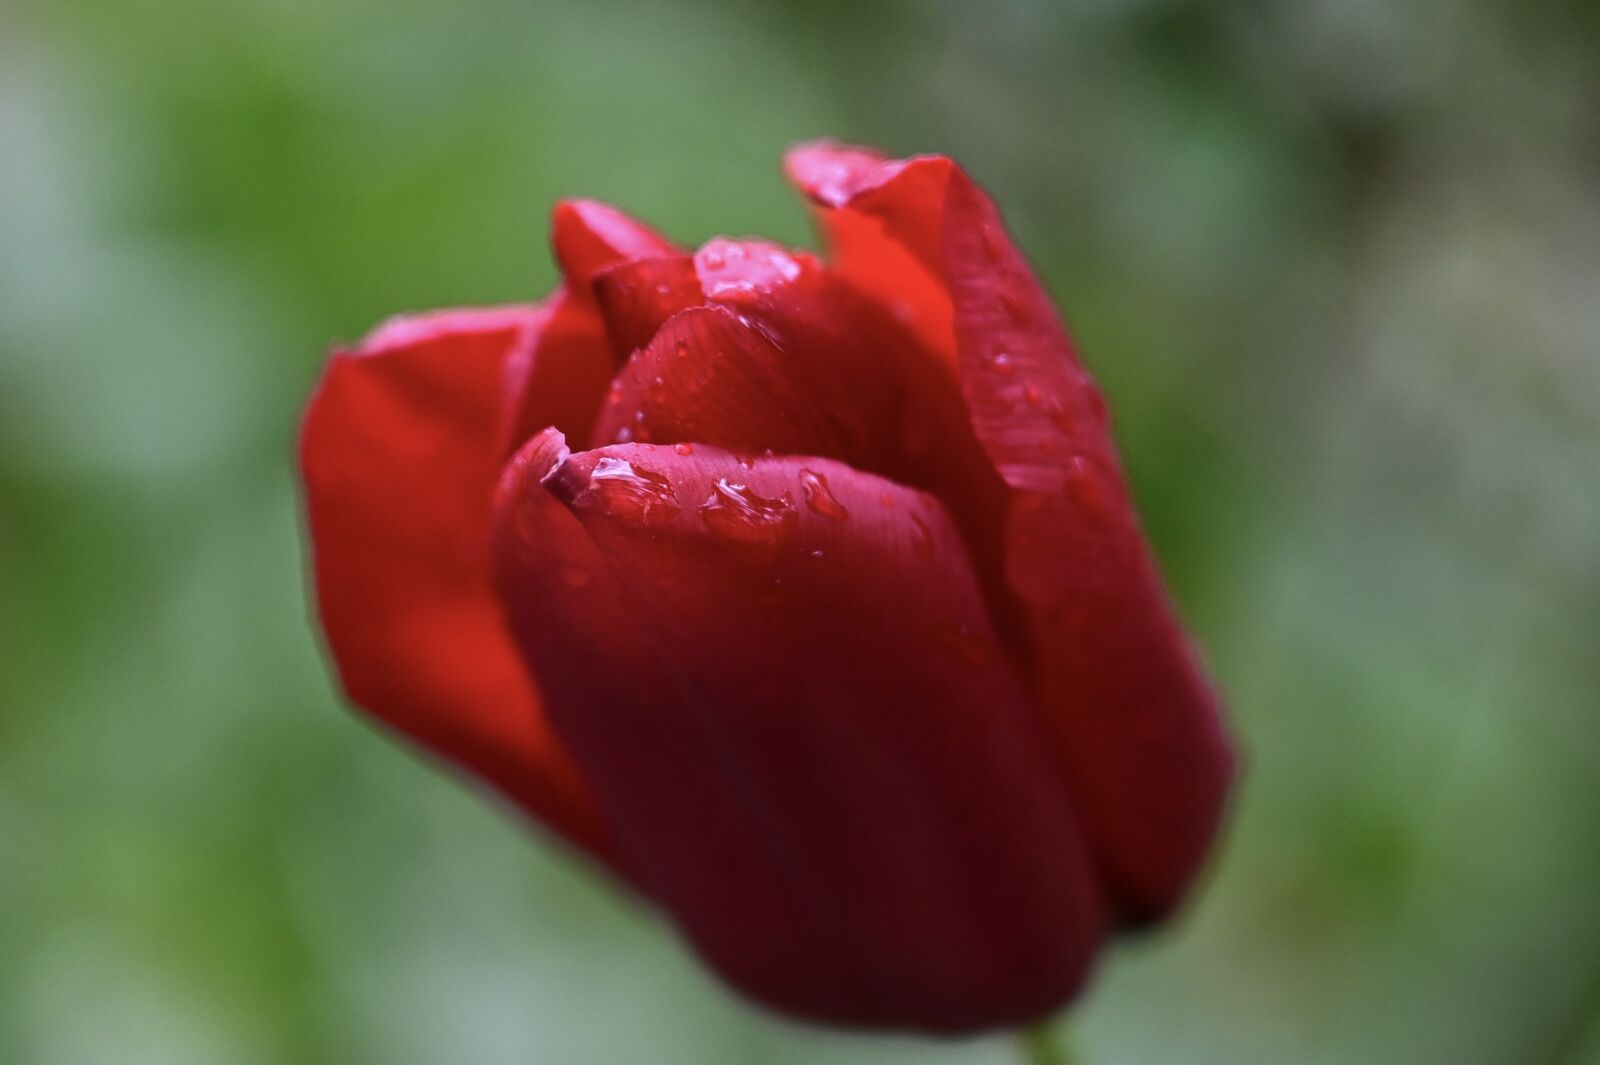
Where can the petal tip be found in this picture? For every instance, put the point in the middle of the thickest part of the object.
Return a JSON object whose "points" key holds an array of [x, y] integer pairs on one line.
{"points": [[829, 172]]}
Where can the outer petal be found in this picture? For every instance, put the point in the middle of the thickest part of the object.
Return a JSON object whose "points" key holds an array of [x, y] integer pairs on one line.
{"points": [[779, 678], [1137, 724], [399, 460], [560, 375]]}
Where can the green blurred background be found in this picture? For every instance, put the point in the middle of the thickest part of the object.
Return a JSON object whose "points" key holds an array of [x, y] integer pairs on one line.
{"points": [[1337, 264]]}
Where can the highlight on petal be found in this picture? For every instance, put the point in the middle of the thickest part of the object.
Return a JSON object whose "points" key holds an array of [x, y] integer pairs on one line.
{"points": [[1135, 721], [779, 678], [399, 460]]}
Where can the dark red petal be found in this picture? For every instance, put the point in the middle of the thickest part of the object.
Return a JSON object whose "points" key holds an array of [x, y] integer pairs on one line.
{"points": [[780, 680], [399, 459], [636, 298], [1137, 724]]}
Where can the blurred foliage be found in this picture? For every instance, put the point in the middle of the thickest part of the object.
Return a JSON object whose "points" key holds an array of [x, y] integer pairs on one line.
{"points": [[1336, 262]]}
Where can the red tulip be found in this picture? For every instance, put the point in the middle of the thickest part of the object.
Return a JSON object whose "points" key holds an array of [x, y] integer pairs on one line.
{"points": [[807, 597]]}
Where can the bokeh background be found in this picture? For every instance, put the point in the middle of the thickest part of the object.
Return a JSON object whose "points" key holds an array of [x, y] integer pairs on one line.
{"points": [[1337, 264]]}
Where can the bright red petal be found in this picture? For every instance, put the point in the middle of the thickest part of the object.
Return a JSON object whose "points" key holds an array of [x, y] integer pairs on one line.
{"points": [[780, 680], [399, 459], [589, 236], [1137, 724]]}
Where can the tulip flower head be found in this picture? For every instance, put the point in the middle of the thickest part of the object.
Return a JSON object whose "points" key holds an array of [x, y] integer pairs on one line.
{"points": [[807, 596]]}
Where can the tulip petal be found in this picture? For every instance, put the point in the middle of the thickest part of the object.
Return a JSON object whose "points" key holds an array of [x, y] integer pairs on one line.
{"points": [[399, 461], [711, 376], [589, 236], [779, 678], [637, 297], [1137, 724], [560, 375]]}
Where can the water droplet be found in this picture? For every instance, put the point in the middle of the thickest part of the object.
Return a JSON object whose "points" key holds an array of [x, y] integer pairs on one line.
{"points": [[819, 498], [614, 396], [965, 644], [663, 290], [886, 498], [772, 593], [738, 512], [1015, 306], [712, 260], [1000, 362], [683, 449], [815, 552], [1033, 395], [921, 537], [681, 349], [630, 491], [1087, 489], [1097, 402], [993, 241], [656, 393], [625, 434]]}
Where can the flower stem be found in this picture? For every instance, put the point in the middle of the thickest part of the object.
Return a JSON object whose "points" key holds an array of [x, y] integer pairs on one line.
{"points": [[1043, 1045]]}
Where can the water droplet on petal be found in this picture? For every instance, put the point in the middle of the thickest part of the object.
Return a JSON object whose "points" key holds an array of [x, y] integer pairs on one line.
{"points": [[965, 644], [712, 260], [681, 349], [631, 491], [886, 498], [683, 449], [1033, 395], [1087, 489], [921, 537], [772, 593], [819, 498], [1015, 306], [993, 240], [738, 512], [1000, 362], [1097, 402]]}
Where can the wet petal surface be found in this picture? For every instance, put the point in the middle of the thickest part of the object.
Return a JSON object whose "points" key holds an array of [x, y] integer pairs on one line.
{"points": [[779, 677]]}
